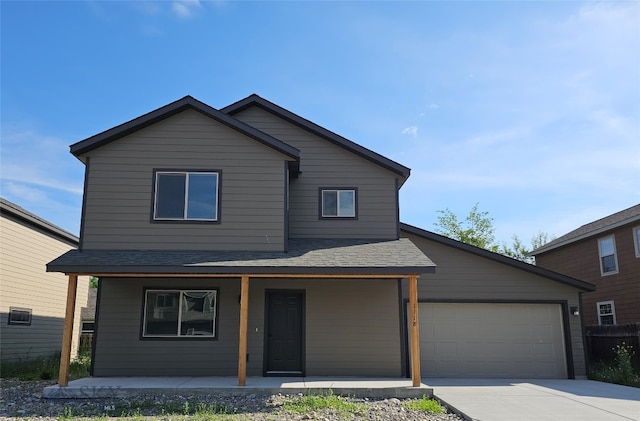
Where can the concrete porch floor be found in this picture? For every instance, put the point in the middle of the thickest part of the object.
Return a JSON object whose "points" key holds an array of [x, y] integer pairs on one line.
{"points": [[105, 387]]}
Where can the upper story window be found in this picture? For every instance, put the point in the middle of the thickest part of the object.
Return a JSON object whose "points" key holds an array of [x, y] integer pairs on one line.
{"points": [[186, 196], [338, 203], [608, 259], [636, 240], [606, 313]]}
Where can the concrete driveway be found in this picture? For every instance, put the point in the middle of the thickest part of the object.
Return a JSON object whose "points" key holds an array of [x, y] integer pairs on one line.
{"points": [[538, 400]]}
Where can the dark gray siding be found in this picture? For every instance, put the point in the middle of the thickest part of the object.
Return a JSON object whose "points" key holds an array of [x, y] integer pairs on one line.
{"points": [[120, 180], [464, 276], [352, 329], [324, 164], [120, 351]]}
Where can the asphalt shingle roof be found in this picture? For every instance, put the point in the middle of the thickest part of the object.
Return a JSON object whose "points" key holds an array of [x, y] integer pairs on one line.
{"points": [[305, 256], [593, 228]]}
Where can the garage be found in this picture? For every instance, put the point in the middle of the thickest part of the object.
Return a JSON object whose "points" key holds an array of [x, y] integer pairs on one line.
{"points": [[504, 340]]}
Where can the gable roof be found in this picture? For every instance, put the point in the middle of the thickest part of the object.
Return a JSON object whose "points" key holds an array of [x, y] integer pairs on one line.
{"points": [[188, 102], [496, 257], [600, 226], [255, 100], [36, 222]]}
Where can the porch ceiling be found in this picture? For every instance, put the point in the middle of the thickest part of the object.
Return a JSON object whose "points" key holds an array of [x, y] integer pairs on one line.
{"points": [[304, 257]]}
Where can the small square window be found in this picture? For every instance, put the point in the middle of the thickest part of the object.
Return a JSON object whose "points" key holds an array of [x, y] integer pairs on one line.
{"points": [[606, 313], [338, 203], [19, 316], [608, 259], [186, 196]]}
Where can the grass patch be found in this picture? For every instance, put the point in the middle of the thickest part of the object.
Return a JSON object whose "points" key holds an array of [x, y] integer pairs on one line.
{"points": [[425, 404], [620, 371], [194, 410], [45, 368], [312, 403]]}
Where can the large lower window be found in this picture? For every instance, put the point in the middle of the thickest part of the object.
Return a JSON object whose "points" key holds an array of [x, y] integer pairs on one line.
{"points": [[183, 196], [606, 313], [180, 313], [338, 203], [608, 260]]}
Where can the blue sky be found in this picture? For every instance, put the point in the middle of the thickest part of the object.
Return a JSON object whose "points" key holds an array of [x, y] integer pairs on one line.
{"points": [[531, 109]]}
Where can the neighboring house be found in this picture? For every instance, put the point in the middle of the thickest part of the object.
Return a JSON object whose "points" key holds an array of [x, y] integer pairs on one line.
{"points": [[32, 301], [606, 253], [250, 240], [87, 320]]}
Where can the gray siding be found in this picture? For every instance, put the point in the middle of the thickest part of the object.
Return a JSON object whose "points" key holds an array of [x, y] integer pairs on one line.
{"points": [[324, 164], [119, 191], [464, 276], [24, 283], [352, 328]]}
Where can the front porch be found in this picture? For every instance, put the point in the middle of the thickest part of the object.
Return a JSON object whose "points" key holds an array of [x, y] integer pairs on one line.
{"points": [[121, 387]]}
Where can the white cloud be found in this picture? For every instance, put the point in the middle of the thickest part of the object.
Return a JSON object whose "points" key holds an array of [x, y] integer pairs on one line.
{"points": [[24, 193], [52, 167], [411, 131], [185, 8]]}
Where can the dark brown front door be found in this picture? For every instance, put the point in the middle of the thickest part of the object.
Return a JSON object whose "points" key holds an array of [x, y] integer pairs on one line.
{"points": [[284, 336]]}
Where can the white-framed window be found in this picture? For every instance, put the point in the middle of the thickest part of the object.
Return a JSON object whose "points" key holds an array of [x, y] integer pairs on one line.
{"points": [[606, 313], [338, 203], [608, 259], [186, 196], [19, 316], [88, 326], [636, 240], [180, 313]]}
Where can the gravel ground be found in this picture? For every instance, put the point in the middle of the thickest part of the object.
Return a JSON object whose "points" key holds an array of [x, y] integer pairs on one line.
{"points": [[23, 399]]}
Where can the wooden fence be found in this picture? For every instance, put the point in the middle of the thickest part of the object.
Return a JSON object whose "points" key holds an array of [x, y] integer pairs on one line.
{"points": [[602, 339]]}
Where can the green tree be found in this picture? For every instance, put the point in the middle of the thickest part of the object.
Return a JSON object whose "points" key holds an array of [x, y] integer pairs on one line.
{"points": [[93, 282], [519, 251], [477, 229]]}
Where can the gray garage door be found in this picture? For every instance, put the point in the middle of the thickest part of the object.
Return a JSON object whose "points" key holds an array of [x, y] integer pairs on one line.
{"points": [[491, 340]]}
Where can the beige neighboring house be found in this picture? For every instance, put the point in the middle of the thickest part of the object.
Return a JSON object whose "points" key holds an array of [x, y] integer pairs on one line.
{"points": [[33, 301]]}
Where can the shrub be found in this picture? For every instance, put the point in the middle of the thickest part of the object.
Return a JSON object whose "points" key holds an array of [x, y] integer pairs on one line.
{"points": [[620, 371]]}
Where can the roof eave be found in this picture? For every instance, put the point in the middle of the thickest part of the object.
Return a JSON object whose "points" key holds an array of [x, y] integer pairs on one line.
{"points": [[255, 100], [567, 280], [185, 103], [240, 270], [37, 222], [551, 246]]}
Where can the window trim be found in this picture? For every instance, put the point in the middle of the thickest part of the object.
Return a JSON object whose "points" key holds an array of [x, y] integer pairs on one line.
{"points": [[615, 255], [15, 310], [321, 190], [186, 172], [85, 331], [636, 239], [177, 337], [613, 311]]}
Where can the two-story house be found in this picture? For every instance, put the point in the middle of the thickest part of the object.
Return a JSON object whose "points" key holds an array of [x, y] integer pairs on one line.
{"points": [[32, 301], [250, 240], [606, 253]]}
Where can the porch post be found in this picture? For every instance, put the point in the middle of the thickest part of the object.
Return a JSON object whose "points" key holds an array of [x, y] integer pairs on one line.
{"points": [[414, 331], [244, 316], [67, 336]]}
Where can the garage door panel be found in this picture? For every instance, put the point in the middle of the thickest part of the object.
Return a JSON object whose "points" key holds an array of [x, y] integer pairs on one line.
{"points": [[491, 340]]}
